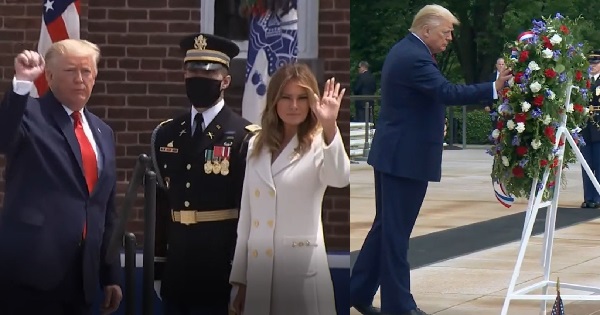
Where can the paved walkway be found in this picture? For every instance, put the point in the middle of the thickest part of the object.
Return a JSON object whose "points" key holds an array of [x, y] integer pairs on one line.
{"points": [[476, 284]]}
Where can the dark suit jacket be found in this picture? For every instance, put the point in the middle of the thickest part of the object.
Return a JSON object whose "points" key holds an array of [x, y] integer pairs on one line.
{"points": [[409, 138], [365, 85], [46, 198]]}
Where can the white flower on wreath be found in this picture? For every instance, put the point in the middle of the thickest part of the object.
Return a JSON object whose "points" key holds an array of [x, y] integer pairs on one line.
{"points": [[525, 106], [551, 95], [510, 125], [495, 133], [536, 144], [570, 108], [535, 86], [586, 110], [520, 127], [547, 53], [505, 161], [555, 39], [533, 66], [547, 120]]}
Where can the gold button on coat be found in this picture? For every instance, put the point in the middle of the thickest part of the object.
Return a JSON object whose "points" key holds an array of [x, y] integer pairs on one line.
{"points": [[256, 223], [272, 193], [257, 193], [255, 253], [269, 252], [270, 223]]}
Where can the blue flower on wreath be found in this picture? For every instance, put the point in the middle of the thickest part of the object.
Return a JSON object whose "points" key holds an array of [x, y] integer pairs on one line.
{"points": [[516, 141], [523, 162], [559, 16], [538, 27], [536, 113]]}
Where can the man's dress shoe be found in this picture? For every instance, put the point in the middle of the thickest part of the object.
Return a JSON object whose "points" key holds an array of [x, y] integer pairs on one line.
{"points": [[367, 310], [416, 311]]}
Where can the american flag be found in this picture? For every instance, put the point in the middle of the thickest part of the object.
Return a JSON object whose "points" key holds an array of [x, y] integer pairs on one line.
{"points": [[558, 308], [60, 20]]}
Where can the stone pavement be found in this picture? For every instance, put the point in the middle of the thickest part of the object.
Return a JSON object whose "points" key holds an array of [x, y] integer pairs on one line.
{"points": [[476, 284]]}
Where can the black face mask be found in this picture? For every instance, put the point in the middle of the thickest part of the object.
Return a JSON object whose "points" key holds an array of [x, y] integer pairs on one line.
{"points": [[203, 92]]}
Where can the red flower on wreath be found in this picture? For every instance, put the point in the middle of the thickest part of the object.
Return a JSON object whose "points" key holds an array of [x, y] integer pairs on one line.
{"points": [[564, 29], [549, 132], [518, 77], [588, 84], [543, 163], [550, 73], [521, 150], [524, 56], [500, 125], [578, 108], [538, 100], [518, 172], [520, 117], [578, 75], [547, 43]]}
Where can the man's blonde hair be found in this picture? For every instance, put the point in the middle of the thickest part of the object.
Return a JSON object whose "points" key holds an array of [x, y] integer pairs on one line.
{"points": [[432, 15], [77, 47]]}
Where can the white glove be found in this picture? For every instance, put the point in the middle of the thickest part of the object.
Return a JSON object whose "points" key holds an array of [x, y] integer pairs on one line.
{"points": [[157, 288]]}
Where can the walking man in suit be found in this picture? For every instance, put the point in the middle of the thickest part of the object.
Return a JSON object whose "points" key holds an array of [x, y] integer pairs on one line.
{"points": [[59, 206], [200, 160], [406, 154], [591, 136]]}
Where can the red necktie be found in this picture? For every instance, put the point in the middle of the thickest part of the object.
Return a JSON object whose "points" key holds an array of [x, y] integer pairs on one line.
{"points": [[88, 157]]}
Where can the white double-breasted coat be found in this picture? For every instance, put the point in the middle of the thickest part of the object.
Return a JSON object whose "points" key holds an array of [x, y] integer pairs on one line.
{"points": [[280, 253]]}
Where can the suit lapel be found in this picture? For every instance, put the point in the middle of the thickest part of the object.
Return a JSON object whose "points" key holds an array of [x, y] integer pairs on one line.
{"points": [[287, 157], [262, 167], [65, 125]]}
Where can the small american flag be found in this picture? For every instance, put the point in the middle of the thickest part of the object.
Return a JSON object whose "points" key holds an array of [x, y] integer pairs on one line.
{"points": [[558, 308], [60, 20]]}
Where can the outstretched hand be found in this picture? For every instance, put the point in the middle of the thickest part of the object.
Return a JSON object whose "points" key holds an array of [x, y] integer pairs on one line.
{"points": [[327, 108]]}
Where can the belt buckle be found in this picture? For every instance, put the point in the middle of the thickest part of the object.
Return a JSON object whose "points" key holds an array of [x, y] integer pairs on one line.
{"points": [[188, 217]]}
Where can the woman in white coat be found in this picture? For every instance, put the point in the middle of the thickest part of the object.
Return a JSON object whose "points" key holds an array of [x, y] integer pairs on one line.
{"points": [[280, 264]]}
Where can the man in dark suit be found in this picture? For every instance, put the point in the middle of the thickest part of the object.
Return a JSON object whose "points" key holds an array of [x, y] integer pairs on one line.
{"points": [[200, 160], [406, 154], [490, 108], [364, 85], [59, 206], [591, 136]]}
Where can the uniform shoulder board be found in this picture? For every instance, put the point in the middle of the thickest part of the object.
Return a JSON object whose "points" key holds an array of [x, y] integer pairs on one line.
{"points": [[253, 128], [164, 122]]}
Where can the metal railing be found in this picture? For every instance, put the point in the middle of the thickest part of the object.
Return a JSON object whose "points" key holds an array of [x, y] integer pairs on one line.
{"points": [[142, 175], [369, 107]]}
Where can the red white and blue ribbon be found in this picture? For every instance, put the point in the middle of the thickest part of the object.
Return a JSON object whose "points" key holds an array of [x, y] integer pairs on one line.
{"points": [[503, 198], [526, 36]]}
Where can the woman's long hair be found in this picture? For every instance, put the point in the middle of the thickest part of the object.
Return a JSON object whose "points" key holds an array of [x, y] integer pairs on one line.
{"points": [[271, 134]]}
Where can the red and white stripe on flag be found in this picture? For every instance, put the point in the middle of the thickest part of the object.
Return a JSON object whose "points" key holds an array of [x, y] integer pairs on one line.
{"points": [[60, 20]]}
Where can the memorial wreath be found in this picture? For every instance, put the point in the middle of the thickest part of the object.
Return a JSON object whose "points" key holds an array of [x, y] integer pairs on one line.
{"points": [[545, 61]]}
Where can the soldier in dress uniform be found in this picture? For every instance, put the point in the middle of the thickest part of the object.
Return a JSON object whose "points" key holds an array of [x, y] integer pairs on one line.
{"points": [[200, 160], [591, 136]]}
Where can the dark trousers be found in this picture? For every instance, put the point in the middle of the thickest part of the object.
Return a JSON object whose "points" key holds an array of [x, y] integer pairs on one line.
{"points": [[66, 299], [180, 309], [591, 153], [383, 261]]}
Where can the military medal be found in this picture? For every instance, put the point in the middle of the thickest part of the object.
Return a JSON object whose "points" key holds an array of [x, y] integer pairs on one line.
{"points": [[222, 159], [216, 167], [208, 161]]}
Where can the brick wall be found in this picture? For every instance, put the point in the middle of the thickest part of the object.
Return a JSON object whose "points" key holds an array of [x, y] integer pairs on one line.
{"points": [[140, 78]]}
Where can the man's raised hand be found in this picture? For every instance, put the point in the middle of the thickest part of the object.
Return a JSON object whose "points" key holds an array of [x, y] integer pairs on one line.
{"points": [[29, 65]]}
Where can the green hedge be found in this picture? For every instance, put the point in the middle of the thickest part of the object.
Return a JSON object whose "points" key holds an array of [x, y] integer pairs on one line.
{"points": [[479, 126]]}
